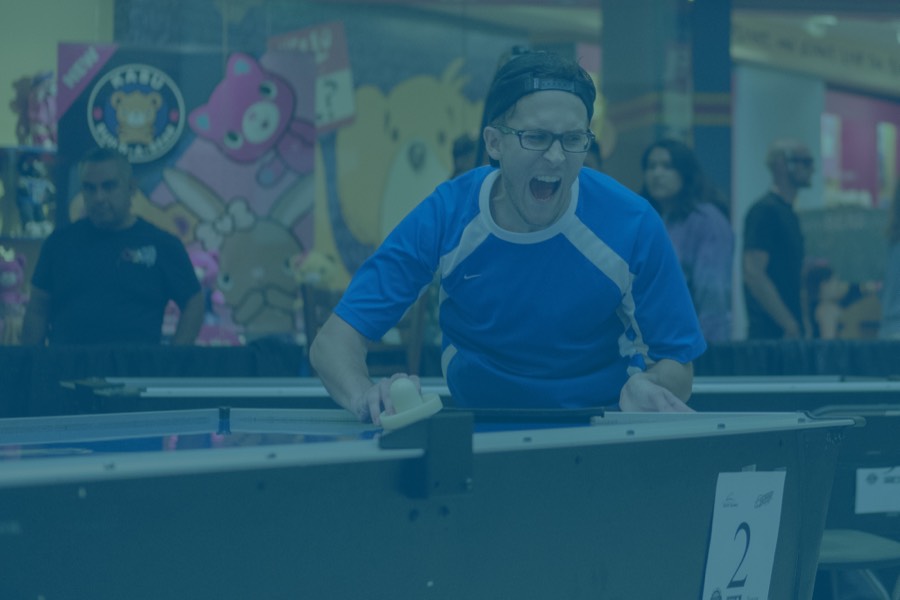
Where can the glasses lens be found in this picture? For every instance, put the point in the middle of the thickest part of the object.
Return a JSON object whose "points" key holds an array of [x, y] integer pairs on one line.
{"points": [[576, 141], [536, 139], [539, 139]]}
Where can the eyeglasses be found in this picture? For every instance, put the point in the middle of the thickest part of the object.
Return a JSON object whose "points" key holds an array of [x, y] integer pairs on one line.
{"points": [[541, 139]]}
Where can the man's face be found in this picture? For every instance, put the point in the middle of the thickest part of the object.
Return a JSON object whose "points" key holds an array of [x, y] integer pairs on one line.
{"points": [[107, 194], [799, 165], [537, 184]]}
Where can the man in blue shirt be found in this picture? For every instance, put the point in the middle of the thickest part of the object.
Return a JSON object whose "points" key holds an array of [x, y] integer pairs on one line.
{"points": [[559, 286]]}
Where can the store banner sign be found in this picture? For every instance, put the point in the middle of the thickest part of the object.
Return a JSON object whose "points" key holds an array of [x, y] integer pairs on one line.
{"points": [[783, 47], [877, 490], [327, 44], [134, 101]]}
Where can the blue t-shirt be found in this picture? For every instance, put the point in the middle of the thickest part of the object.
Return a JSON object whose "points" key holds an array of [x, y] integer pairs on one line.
{"points": [[554, 318]]}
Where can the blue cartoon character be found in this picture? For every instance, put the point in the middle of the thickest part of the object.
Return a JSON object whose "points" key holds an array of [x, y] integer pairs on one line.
{"points": [[251, 117]]}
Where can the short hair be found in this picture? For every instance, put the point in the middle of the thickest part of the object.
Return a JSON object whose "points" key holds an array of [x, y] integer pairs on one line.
{"points": [[100, 155], [534, 72]]}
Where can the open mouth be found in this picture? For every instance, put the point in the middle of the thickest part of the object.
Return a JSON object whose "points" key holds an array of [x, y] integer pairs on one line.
{"points": [[543, 188]]}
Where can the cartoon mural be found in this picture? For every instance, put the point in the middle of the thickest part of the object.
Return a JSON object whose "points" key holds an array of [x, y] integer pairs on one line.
{"points": [[137, 109], [247, 181], [264, 172], [238, 180], [255, 275], [396, 151], [251, 116]]}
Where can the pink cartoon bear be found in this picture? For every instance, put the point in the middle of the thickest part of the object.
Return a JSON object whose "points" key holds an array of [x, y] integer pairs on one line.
{"points": [[250, 116]]}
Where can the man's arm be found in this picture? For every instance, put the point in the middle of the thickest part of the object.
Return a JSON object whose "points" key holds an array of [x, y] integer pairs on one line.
{"points": [[190, 321], [764, 291], [664, 387], [37, 312], [338, 355]]}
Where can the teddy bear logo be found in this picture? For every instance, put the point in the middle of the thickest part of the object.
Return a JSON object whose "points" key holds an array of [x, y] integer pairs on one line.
{"points": [[255, 253], [250, 116], [137, 109], [136, 115]]}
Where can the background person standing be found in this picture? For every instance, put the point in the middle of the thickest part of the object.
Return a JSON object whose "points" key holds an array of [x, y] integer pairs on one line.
{"points": [[108, 277], [773, 246], [697, 222]]}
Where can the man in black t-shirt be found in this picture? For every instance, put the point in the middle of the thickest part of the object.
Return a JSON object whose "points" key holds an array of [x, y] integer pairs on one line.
{"points": [[108, 277], [773, 247]]}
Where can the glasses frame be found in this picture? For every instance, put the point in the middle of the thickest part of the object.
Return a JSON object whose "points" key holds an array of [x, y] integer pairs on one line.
{"points": [[553, 138]]}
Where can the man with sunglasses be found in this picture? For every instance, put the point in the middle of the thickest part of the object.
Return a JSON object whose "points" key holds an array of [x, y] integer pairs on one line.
{"points": [[773, 246], [559, 286]]}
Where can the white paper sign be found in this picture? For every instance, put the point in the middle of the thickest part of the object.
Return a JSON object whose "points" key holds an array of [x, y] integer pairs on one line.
{"points": [[335, 98], [746, 518], [877, 490]]}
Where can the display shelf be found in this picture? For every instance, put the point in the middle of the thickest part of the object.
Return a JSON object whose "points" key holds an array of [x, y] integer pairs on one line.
{"points": [[41, 186]]}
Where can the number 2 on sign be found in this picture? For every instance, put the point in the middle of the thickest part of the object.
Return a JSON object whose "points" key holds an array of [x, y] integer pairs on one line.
{"points": [[734, 582], [745, 501]]}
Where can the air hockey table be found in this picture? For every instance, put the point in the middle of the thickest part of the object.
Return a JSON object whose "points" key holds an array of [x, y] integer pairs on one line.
{"points": [[716, 394], [308, 503], [791, 392]]}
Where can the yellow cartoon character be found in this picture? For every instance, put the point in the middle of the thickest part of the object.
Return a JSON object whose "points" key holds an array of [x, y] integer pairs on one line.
{"points": [[136, 113], [318, 269], [396, 151]]}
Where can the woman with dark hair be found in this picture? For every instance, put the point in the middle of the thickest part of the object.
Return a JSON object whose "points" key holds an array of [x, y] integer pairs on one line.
{"points": [[698, 226], [890, 294]]}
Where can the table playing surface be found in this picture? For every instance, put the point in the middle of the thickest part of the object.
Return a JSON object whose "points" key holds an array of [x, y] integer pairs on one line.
{"points": [[226, 427]]}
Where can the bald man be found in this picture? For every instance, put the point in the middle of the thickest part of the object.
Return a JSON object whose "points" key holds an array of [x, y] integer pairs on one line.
{"points": [[773, 246]]}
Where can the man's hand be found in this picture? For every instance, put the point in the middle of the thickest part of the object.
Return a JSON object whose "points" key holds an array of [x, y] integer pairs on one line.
{"points": [[640, 394], [377, 399]]}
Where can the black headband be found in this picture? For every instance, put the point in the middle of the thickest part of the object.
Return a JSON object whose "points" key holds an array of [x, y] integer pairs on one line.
{"points": [[508, 93]]}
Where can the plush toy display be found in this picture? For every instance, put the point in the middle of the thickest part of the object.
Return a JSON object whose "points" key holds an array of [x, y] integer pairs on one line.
{"points": [[218, 328], [318, 269], [33, 196], [34, 104], [13, 297], [206, 267]]}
